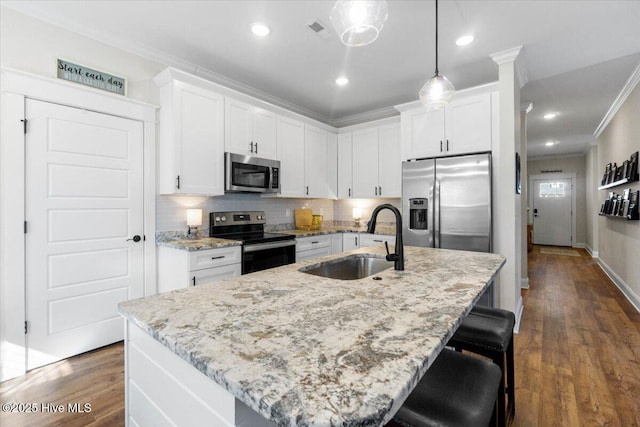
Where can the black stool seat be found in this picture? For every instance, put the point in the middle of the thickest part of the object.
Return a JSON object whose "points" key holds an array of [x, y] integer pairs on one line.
{"points": [[489, 332], [491, 328], [457, 390]]}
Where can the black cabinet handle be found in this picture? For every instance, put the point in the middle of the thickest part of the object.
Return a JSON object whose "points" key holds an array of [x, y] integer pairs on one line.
{"points": [[256, 148], [356, 241], [447, 145], [218, 257], [194, 280], [380, 191], [316, 242], [379, 241], [251, 146], [441, 146], [349, 192], [307, 190], [178, 182], [376, 189]]}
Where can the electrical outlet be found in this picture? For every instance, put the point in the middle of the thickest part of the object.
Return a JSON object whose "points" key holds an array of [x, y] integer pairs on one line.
{"points": [[287, 212]]}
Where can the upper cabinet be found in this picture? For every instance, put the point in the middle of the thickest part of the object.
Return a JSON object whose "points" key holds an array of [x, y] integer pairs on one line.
{"points": [[464, 126], [316, 162], [291, 154], [191, 148], [345, 166], [377, 169], [249, 130]]}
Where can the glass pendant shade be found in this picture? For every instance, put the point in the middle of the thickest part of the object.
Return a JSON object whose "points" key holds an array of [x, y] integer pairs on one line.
{"points": [[359, 23], [437, 92]]}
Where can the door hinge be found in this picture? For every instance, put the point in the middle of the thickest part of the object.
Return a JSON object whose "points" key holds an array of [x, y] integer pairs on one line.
{"points": [[24, 125], [26, 327], [25, 227]]}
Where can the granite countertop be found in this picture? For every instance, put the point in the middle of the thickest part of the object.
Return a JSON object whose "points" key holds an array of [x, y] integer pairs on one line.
{"points": [[307, 350], [199, 244]]}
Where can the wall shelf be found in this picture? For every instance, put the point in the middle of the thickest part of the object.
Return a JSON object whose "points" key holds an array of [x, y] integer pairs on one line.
{"points": [[617, 183], [618, 216]]}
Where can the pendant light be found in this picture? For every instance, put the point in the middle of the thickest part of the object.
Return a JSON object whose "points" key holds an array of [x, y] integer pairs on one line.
{"points": [[437, 92], [358, 23]]}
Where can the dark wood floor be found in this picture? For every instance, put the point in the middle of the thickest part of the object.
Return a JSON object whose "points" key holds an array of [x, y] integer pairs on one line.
{"points": [[577, 359]]}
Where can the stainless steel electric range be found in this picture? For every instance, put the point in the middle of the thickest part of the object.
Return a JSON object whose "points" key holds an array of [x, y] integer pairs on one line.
{"points": [[260, 250]]}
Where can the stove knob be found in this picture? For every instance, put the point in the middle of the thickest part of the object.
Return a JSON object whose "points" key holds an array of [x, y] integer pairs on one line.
{"points": [[224, 218], [259, 217], [217, 219]]}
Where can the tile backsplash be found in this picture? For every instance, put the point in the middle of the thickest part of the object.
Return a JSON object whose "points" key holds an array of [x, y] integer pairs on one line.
{"points": [[171, 210]]}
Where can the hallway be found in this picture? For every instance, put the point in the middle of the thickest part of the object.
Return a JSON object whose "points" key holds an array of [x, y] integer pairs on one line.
{"points": [[577, 358], [578, 350]]}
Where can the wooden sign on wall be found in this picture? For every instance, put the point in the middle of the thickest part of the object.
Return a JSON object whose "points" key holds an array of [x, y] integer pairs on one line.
{"points": [[89, 77]]}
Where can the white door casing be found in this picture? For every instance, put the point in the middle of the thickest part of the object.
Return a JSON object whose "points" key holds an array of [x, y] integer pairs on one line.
{"points": [[552, 212], [84, 201]]}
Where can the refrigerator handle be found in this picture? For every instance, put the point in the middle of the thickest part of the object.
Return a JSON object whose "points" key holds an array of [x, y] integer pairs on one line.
{"points": [[436, 214]]}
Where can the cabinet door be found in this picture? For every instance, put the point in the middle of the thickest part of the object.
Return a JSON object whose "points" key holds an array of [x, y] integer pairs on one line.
{"points": [[313, 253], [316, 162], [350, 241], [424, 135], [238, 127], [209, 275], [199, 145], [469, 124], [332, 165], [264, 133], [389, 164], [336, 244], [345, 166], [291, 156], [365, 163]]}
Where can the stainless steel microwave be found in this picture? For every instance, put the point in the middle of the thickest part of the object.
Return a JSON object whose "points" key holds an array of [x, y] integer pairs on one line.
{"points": [[250, 174]]}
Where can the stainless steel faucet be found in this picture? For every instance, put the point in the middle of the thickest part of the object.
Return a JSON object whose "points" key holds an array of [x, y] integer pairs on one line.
{"points": [[398, 256]]}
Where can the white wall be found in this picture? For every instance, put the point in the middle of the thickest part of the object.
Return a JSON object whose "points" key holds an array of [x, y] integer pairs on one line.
{"points": [[619, 240], [592, 181]]}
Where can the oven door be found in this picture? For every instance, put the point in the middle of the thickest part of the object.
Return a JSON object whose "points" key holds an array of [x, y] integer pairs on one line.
{"points": [[251, 174], [261, 256]]}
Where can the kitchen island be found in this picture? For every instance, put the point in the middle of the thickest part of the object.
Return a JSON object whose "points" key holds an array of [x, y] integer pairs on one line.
{"points": [[282, 347]]}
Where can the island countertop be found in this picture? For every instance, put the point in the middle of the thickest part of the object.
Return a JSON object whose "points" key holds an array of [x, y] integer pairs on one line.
{"points": [[306, 350]]}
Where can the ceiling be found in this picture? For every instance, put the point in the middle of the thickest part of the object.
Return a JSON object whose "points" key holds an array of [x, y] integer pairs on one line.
{"points": [[577, 55]]}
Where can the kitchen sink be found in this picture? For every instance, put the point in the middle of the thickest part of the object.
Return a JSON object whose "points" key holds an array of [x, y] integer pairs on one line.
{"points": [[351, 267]]}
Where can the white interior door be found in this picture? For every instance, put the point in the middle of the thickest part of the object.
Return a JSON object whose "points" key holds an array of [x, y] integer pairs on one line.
{"points": [[84, 204], [552, 212]]}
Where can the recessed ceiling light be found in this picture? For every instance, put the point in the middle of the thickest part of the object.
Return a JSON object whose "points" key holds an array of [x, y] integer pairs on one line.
{"points": [[260, 30], [341, 81], [549, 116], [549, 143], [464, 40]]}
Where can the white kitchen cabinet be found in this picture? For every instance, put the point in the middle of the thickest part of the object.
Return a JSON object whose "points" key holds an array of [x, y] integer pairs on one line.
{"points": [[291, 155], [332, 165], [350, 241], [249, 130], [191, 148], [389, 163], [313, 247], [376, 162], [463, 127], [367, 239], [345, 166], [179, 268], [336, 244], [315, 162]]}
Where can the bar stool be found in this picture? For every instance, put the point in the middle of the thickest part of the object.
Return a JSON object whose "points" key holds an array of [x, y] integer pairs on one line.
{"points": [[489, 333], [457, 390]]}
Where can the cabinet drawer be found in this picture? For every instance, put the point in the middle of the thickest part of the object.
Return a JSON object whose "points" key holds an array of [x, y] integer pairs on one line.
{"points": [[375, 239], [214, 257], [208, 275], [313, 253], [307, 243]]}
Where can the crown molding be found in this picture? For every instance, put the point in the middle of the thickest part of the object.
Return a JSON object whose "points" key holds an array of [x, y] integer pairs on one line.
{"points": [[368, 116], [628, 87], [513, 55], [470, 91]]}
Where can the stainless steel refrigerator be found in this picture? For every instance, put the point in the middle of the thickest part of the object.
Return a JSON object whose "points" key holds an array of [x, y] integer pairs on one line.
{"points": [[446, 203]]}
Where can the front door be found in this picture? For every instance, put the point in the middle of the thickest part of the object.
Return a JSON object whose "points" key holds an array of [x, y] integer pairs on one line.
{"points": [[84, 204], [552, 212]]}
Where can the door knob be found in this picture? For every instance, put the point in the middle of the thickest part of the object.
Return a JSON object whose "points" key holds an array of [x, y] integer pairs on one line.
{"points": [[135, 238]]}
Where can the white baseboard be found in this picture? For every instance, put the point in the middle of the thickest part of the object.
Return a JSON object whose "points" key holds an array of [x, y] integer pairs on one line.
{"points": [[633, 298], [518, 313], [579, 245], [524, 283], [594, 254]]}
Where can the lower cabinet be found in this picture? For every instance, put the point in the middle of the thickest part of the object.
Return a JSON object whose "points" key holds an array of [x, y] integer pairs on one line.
{"points": [[313, 247], [352, 241], [178, 268], [336, 244]]}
